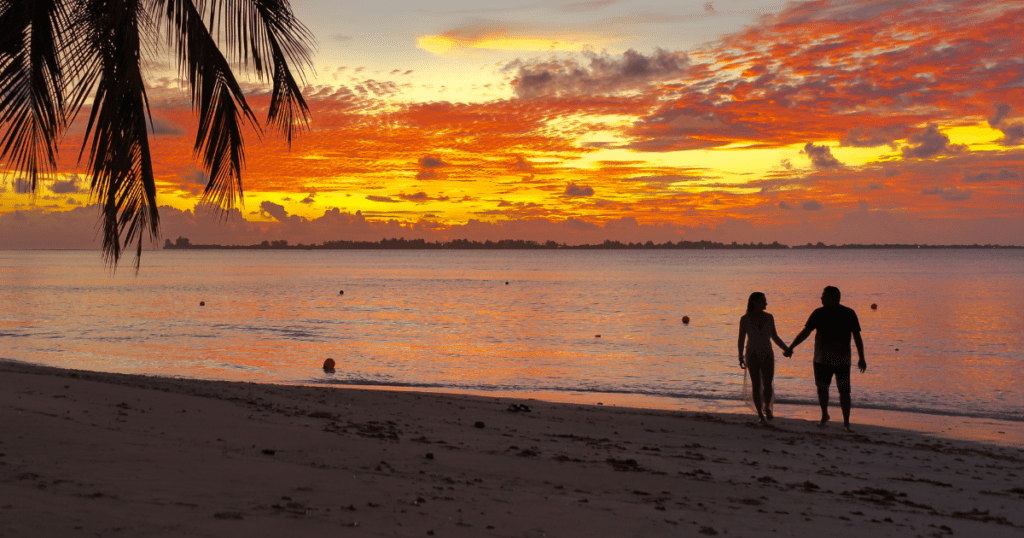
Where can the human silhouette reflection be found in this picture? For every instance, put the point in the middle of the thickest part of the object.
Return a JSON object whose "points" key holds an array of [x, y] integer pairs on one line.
{"points": [[757, 330]]}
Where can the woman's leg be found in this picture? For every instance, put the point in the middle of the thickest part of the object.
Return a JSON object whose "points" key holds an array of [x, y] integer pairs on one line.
{"points": [[754, 368], [767, 392]]}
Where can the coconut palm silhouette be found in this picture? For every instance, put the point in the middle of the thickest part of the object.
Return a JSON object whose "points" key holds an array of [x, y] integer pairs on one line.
{"points": [[57, 56]]}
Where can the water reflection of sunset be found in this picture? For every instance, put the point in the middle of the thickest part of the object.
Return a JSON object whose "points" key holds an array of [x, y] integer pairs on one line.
{"points": [[942, 339]]}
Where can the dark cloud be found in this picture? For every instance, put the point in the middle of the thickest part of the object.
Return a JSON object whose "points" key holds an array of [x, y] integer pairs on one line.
{"points": [[1013, 135], [422, 197], [675, 129], [811, 205], [428, 167], [949, 194], [274, 210], [1002, 111], [784, 206], [821, 157], [193, 175], [860, 137], [163, 126], [604, 75], [984, 177], [574, 191], [70, 186], [307, 200], [386, 199], [929, 143], [431, 162]]}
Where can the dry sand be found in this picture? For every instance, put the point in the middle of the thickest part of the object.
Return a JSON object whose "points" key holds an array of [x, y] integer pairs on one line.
{"points": [[96, 454]]}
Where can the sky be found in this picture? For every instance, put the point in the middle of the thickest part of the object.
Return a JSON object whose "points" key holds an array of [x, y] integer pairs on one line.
{"points": [[579, 122]]}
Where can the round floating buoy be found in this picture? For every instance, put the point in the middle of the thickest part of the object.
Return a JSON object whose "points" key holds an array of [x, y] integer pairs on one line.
{"points": [[874, 306], [686, 320], [329, 365], [202, 303], [342, 292], [597, 336], [506, 282]]}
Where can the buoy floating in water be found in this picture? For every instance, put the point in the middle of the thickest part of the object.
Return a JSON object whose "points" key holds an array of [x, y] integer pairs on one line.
{"points": [[506, 282], [202, 303], [342, 292], [329, 366], [597, 336], [686, 320], [874, 306]]}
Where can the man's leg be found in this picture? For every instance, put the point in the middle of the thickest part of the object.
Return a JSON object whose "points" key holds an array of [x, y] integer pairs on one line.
{"points": [[843, 384], [823, 379]]}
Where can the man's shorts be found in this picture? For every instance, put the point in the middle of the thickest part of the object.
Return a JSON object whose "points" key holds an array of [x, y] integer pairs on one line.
{"points": [[823, 377]]}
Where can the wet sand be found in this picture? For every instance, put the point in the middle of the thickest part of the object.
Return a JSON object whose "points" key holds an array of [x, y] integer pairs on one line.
{"points": [[96, 454]]}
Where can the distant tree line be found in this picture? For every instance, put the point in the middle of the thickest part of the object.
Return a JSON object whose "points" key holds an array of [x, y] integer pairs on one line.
{"points": [[821, 245], [183, 243]]}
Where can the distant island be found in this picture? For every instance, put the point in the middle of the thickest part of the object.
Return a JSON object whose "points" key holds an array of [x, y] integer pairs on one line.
{"points": [[183, 243]]}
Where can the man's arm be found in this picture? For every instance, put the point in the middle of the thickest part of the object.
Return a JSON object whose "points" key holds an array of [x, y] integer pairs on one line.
{"points": [[799, 338], [862, 364]]}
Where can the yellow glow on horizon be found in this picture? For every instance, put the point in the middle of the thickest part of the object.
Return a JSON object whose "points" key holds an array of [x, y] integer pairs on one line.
{"points": [[443, 45], [979, 136]]}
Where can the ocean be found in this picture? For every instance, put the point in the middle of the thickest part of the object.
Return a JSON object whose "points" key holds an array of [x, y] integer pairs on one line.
{"points": [[946, 338]]}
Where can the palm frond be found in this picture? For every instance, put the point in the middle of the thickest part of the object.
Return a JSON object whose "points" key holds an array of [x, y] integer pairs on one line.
{"points": [[32, 104], [266, 35], [217, 98], [109, 44]]}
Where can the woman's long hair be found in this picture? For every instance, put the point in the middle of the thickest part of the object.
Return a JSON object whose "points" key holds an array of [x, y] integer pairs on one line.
{"points": [[754, 297]]}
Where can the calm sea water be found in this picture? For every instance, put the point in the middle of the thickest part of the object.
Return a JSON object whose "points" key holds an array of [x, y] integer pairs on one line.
{"points": [[947, 337]]}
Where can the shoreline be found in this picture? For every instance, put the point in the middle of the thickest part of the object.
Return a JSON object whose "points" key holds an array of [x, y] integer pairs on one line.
{"points": [[127, 455], [945, 426]]}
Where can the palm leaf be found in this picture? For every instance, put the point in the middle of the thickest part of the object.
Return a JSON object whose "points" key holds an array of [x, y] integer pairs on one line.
{"points": [[31, 85], [217, 98], [108, 43], [266, 36]]}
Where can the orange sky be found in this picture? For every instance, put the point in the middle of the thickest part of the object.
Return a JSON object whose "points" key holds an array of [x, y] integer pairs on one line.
{"points": [[820, 121]]}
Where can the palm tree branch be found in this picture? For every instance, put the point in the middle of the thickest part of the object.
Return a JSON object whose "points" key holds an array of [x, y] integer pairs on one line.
{"points": [[32, 104], [116, 133], [266, 35], [216, 97]]}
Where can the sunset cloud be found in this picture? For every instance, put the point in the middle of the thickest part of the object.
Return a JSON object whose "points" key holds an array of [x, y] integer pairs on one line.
{"points": [[949, 194], [573, 191], [816, 121], [821, 157], [602, 74], [929, 143]]}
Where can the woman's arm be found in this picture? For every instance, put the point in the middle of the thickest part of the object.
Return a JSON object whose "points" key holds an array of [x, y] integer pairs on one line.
{"points": [[742, 338], [775, 335]]}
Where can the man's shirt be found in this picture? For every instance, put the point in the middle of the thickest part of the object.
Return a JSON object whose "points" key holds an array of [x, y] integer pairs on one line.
{"points": [[834, 326]]}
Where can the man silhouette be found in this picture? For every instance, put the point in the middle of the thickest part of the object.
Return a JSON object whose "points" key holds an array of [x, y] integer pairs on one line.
{"points": [[835, 324]]}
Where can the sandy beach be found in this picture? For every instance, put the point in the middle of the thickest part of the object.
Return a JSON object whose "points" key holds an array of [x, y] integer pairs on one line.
{"points": [[97, 454]]}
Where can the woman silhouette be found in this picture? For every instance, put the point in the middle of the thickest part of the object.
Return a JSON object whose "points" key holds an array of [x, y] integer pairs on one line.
{"points": [[757, 330]]}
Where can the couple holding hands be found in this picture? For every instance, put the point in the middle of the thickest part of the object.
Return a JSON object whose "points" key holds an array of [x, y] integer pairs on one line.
{"points": [[834, 324]]}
